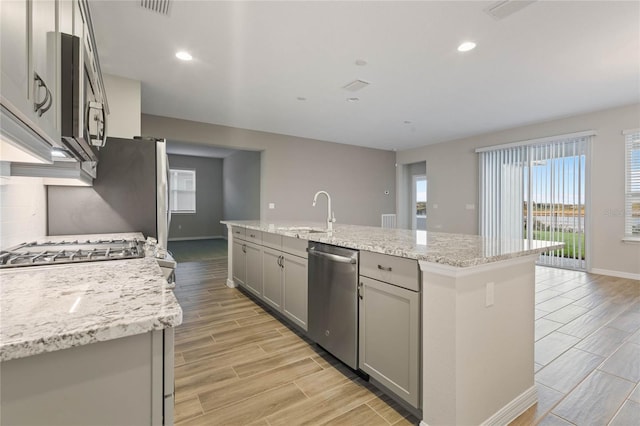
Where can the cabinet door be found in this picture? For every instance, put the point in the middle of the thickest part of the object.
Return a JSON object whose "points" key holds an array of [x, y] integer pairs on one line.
{"points": [[295, 282], [14, 54], [44, 45], [389, 337], [254, 268], [239, 262], [272, 277]]}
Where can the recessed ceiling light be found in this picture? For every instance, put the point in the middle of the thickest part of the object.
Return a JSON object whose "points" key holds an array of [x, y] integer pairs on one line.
{"points": [[184, 56], [361, 62], [353, 99], [466, 46]]}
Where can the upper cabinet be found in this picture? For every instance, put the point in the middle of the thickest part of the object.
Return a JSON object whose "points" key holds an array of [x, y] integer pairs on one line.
{"points": [[51, 82]]}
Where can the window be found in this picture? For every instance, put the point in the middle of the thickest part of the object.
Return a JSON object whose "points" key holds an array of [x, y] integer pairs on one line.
{"points": [[632, 185], [183, 191], [536, 190]]}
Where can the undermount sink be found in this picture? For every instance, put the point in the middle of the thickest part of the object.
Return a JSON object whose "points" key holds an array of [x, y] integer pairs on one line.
{"points": [[303, 229]]}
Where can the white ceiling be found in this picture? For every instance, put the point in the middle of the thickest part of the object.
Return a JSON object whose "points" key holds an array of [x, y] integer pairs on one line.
{"points": [[253, 59]]}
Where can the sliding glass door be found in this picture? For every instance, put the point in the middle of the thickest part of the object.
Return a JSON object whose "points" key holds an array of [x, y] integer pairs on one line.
{"points": [[537, 192]]}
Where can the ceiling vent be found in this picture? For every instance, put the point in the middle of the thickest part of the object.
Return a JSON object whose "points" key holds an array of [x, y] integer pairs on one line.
{"points": [[502, 9], [356, 85], [158, 6]]}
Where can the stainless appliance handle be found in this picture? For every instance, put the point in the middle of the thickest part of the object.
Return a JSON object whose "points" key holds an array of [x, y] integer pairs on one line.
{"points": [[333, 257]]}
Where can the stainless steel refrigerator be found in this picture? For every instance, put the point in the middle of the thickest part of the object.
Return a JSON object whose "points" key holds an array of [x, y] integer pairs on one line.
{"points": [[130, 194]]}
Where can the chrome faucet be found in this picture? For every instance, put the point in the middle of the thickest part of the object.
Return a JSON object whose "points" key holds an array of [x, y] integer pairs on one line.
{"points": [[330, 215]]}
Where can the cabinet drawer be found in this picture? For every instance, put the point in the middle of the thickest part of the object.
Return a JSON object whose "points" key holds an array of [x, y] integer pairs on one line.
{"points": [[254, 236], [391, 269], [272, 240], [295, 246], [238, 232]]}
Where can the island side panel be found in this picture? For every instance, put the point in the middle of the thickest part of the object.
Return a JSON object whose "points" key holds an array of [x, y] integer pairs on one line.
{"points": [[478, 359], [101, 383]]}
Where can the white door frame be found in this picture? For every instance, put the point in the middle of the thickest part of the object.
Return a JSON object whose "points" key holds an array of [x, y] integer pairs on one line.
{"points": [[414, 201]]}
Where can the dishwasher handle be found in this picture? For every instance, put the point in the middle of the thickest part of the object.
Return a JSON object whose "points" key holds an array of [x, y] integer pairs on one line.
{"points": [[333, 257]]}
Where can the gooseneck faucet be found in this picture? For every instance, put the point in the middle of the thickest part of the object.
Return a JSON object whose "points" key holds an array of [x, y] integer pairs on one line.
{"points": [[330, 215]]}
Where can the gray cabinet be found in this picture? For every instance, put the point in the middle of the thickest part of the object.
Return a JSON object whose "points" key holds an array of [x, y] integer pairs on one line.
{"points": [[272, 277], [14, 54], [389, 325], [239, 256], [115, 382], [274, 268], [44, 58], [253, 276], [29, 46], [295, 284]]}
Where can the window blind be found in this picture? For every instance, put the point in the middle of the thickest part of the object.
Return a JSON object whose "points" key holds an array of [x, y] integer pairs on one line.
{"points": [[537, 192], [632, 185]]}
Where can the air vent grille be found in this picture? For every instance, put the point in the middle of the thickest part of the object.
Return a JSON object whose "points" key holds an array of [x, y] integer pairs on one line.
{"points": [[356, 85], [502, 9], [159, 6]]}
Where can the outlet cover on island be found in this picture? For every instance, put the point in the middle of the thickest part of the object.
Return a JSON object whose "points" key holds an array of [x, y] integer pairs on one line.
{"points": [[272, 206], [470, 206]]}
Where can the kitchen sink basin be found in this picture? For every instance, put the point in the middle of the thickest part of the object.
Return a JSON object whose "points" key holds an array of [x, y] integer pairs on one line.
{"points": [[303, 230]]}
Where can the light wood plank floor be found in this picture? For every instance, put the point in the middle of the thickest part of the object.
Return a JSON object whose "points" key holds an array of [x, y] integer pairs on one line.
{"points": [[587, 350], [236, 364]]}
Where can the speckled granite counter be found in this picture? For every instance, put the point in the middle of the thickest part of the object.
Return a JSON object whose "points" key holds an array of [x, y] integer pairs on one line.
{"points": [[457, 250], [48, 308]]}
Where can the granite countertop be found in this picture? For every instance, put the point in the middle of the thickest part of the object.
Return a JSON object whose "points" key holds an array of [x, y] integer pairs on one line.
{"points": [[48, 308], [457, 250]]}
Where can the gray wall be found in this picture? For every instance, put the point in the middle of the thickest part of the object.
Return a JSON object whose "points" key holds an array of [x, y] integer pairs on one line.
{"points": [[206, 221], [241, 186], [452, 173], [293, 169]]}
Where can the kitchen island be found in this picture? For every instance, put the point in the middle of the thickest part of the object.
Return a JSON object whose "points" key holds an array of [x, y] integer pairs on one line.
{"points": [[476, 313], [86, 342]]}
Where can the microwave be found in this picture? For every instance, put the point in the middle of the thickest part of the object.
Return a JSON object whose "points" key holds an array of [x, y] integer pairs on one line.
{"points": [[83, 112]]}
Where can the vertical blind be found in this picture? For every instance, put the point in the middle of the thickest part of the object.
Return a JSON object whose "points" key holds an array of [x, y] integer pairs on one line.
{"points": [[537, 192], [632, 185]]}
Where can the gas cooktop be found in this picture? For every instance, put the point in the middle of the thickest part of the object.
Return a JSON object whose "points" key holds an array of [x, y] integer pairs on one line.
{"points": [[60, 252]]}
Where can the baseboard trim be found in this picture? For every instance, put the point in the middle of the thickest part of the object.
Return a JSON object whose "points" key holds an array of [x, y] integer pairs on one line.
{"points": [[210, 237], [513, 409], [231, 284], [617, 274]]}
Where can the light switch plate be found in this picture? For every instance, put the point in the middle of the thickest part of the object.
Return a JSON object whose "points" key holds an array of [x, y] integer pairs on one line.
{"points": [[272, 206]]}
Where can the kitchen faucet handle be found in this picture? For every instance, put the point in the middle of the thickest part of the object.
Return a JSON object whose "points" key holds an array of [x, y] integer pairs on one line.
{"points": [[333, 217]]}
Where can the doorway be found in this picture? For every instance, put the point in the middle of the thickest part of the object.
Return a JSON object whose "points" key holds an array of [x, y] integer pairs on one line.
{"points": [[419, 203]]}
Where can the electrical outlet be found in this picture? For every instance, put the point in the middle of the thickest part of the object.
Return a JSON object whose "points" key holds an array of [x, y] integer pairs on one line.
{"points": [[435, 206], [470, 206], [489, 294], [272, 206]]}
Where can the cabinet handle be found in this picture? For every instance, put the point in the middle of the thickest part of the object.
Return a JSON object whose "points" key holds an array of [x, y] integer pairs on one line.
{"points": [[385, 268], [37, 106], [360, 295], [252, 235], [46, 108], [244, 248], [281, 261]]}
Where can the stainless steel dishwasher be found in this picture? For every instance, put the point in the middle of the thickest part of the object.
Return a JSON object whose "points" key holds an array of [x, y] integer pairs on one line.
{"points": [[333, 300]]}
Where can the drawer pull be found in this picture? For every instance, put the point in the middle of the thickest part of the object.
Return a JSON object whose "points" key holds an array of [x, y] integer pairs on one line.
{"points": [[385, 268], [253, 235]]}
